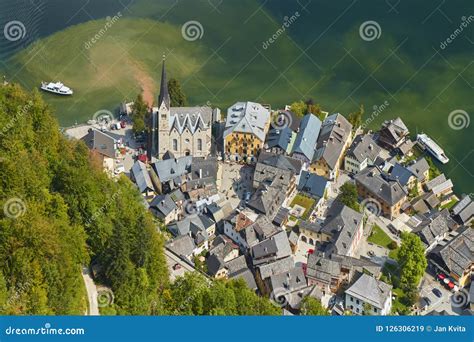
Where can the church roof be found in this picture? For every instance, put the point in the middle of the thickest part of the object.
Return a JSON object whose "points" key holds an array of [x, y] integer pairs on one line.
{"points": [[164, 93]]}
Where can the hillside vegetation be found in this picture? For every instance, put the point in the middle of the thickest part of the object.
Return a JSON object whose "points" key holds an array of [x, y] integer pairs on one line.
{"points": [[61, 212]]}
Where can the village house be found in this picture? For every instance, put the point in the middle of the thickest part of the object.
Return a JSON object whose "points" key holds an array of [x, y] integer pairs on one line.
{"points": [[334, 138], [239, 228], [375, 184], [271, 249], [455, 257], [276, 171], [105, 145], [282, 134], [246, 127], [343, 228], [184, 131], [140, 176], [331, 274], [304, 146], [463, 211], [441, 187], [435, 229], [368, 293], [362, 153], [393, 134], [165, 208], [314, 186], [200, 227], [170, 173]]}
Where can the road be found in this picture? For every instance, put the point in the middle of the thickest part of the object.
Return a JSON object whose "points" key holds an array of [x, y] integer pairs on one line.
{"points": [[91, 292]]}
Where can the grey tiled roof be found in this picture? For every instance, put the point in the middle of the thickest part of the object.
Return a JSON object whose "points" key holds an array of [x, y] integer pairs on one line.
{"points": [[280, 161], [214, 264], [292, 280], [342, 223], [141, 176], [364, 147], [335, 131], [276, 267], [273, 248], [464, 210], [169, 169], [182, 245], [163, 204], [389, 191], [191, 223], [247, 117], [236, 265], [401, 174], [312, 184], [247, 276], [311, 226], [435, 182], [370, 290], [280, 138], [322, 269], [307, 136], [458, 253], [101, 142], [419, 168], [436, 227]]}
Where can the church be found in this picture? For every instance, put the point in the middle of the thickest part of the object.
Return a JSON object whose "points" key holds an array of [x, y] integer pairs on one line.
{"points": [[180, 131]]}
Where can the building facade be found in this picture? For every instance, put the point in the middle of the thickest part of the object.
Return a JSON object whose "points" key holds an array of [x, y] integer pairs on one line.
{"points": [[246, 127], [181, 130]]}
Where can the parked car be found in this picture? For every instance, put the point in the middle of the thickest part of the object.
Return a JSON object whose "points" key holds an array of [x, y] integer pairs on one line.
{"points": [[437, 292], [427, 301]]}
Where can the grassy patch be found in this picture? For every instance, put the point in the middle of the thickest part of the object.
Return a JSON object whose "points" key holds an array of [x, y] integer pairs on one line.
{"points": [[305, 202], [449, 205], [393, 254], [379, 237]]}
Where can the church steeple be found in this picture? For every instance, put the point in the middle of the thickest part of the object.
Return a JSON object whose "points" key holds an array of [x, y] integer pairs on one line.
{"points": [[164, 94]]}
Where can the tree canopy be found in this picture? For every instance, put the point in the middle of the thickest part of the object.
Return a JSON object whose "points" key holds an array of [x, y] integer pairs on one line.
{"points": [[412, 261], [312, 307], [139, 114], [63, 212], [177, 97], [348, 196]]}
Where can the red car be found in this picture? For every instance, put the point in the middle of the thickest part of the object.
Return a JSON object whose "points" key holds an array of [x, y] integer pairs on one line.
{"points": [[441, 276]]}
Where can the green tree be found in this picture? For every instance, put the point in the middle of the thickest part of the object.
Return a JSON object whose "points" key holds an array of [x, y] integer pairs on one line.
{"points": [[348, 196], [412, 261], [177, 97], [355, 118], [139, 114], [312, 307], [299, 108], [367, 309]]}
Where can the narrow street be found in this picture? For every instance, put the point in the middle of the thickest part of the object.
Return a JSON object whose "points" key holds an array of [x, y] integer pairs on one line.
{"points": [[91, 293]]}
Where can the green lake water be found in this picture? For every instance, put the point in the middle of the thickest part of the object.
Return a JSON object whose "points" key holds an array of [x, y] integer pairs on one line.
{"points": [[273, 52]]}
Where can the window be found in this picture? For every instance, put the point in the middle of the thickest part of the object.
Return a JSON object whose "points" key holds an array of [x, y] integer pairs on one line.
{"points": [[357, 301], [375, 309], [352, 299], [175, 144], [199, 143], [357, 310], [186, 141]]}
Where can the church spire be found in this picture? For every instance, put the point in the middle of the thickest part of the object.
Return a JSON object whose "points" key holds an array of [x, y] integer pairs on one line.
{"points": [[164, 94]]}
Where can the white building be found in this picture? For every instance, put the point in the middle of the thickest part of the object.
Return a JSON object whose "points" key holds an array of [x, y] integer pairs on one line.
{"points": [[368, 293], [361, 154]]}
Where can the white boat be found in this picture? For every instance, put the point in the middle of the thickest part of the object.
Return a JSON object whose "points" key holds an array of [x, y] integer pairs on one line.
{"points": [[432, 147], [56, 88]]}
